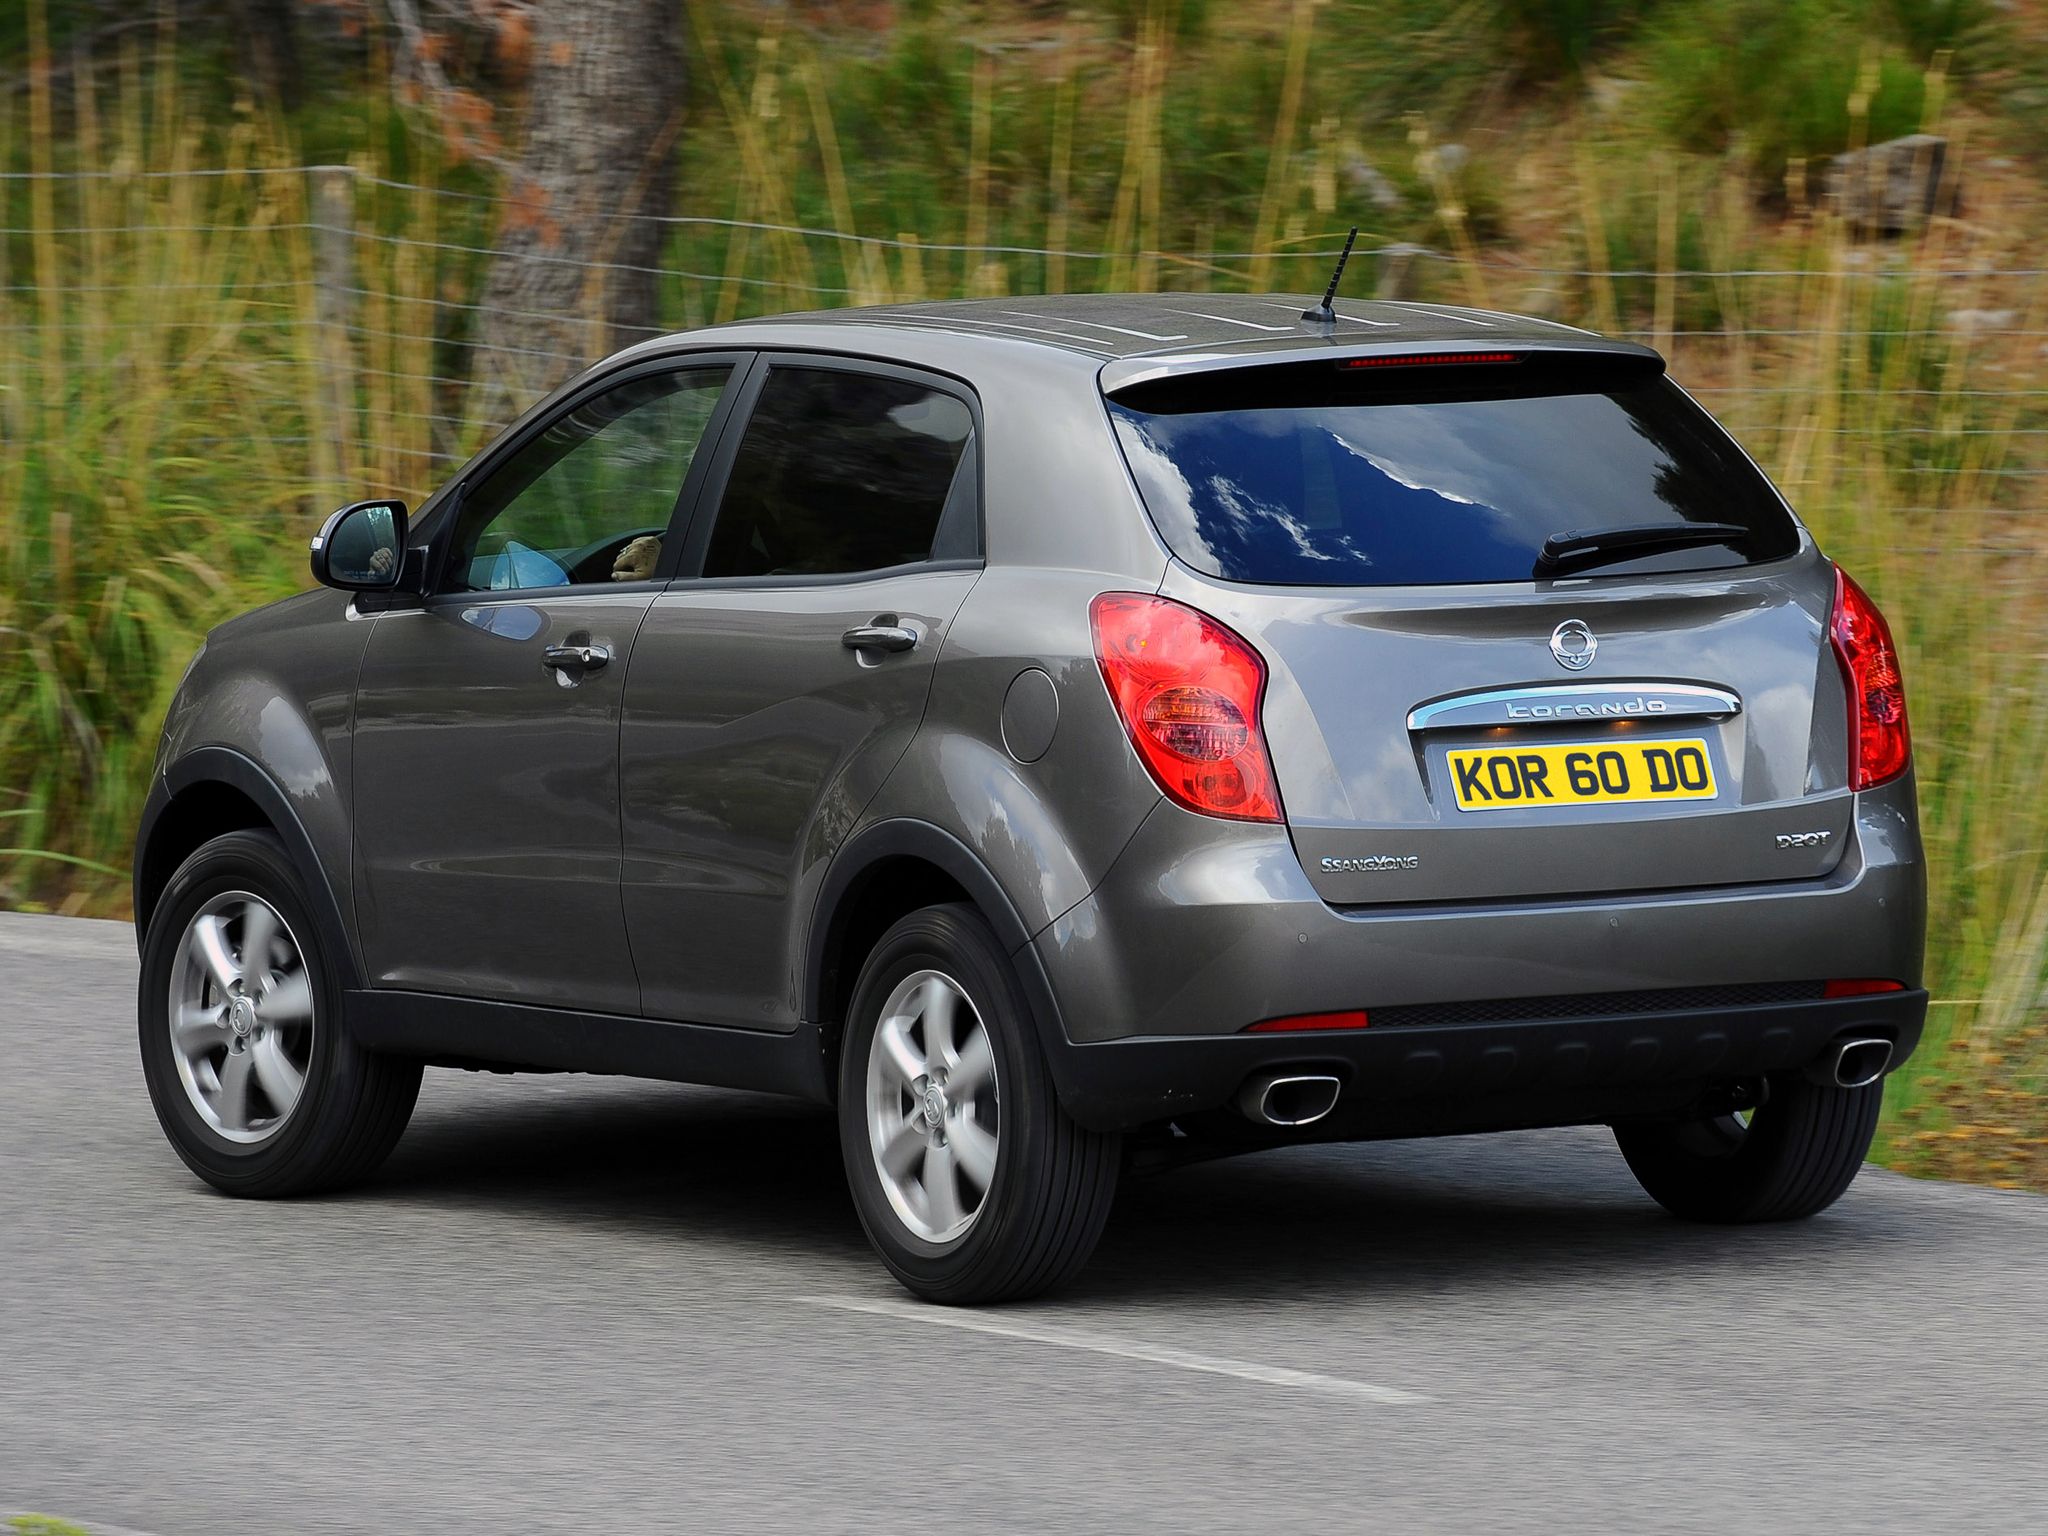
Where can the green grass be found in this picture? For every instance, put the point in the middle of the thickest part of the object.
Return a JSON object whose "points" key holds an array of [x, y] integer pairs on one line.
{"points": [[1780, 80], [44, 1525], [173, 420]]}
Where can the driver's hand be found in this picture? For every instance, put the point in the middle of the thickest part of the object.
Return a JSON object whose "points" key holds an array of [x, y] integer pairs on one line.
{"points": [[381, 561], [637, 560]]}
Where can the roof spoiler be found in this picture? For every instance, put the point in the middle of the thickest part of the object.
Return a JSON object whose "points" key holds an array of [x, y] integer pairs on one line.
{"points": [[1385, 365]]}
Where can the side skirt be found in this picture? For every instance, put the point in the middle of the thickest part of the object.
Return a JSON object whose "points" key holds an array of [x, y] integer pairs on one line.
{"points": [[520, 1036]]}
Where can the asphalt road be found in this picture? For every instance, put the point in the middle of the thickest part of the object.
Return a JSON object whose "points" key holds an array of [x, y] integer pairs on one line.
{"points": [[575, 1304]]}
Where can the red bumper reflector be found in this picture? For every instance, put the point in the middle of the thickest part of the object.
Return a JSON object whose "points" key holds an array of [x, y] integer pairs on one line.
{"points": [[1860, 987], [1355, 1019]]}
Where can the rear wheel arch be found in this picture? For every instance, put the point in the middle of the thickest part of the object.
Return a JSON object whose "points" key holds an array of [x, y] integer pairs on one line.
{"points": [[884, 873], [1037, 1192], [213, 790]]}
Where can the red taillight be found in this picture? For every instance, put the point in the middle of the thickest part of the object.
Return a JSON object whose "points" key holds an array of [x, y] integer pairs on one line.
{"points": [[1188, 691], [1880, 745], [1860, 986], [1355, 1019]]}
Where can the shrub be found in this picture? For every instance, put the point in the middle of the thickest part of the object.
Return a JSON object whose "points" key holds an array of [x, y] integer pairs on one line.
{"points": [[1774, 78], [1555, 39], [1928, 26]]}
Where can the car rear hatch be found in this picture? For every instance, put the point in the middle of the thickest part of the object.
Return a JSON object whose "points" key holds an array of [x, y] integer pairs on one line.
{"points": [[1454, 715]]}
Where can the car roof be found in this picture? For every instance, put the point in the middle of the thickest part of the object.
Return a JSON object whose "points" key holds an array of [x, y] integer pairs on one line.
{"points": [[1135, 337]]}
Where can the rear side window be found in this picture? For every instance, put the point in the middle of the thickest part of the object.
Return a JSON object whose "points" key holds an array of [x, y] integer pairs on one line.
{"points": [[1321, 480], [841, 472]]}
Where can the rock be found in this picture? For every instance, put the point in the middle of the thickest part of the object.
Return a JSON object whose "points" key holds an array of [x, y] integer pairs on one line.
{"points": [[1362, 176], [1608, 92], [1975, 321], [1889, 188]]}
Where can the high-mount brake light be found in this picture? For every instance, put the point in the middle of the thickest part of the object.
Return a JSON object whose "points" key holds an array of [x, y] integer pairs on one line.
{"points": [[1188, 691], [1356, 1018], [1880, 741], [1860, 986], [1429, 359]]}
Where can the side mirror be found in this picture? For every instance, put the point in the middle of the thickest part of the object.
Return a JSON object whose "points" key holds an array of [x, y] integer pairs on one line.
{"points": [[361, 548]]}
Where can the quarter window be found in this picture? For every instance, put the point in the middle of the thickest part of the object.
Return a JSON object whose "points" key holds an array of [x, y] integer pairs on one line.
{"points": [[841, 472], [590, 498]]}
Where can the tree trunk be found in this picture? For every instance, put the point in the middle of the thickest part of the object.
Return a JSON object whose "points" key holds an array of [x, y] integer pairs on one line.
{"points": [[268, 41], [579, 237]]}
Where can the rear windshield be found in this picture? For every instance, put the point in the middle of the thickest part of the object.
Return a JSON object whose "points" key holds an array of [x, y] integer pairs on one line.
{"points": [[1307, 478]]}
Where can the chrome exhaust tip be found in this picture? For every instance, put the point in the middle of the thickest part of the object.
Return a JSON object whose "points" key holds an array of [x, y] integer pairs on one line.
{"points": [[1859, 1063], [1288, 1099], [1852, 1063]]}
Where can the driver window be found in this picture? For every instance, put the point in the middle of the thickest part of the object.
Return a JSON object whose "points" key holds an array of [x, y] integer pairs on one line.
{"points": [[589, 499]]}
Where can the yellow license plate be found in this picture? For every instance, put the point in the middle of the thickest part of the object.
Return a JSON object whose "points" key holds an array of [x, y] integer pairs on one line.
{"points": [[1522, 778]]}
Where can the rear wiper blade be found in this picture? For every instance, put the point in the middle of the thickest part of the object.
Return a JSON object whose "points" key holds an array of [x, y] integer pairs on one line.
{"points": [[1578, 547]]}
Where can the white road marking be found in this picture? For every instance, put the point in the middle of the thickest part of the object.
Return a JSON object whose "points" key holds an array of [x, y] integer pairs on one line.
{"points": [[1013, 1326]]}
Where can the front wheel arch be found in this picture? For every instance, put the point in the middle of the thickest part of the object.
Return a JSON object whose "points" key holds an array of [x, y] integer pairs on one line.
{"points": [[212, 790]]}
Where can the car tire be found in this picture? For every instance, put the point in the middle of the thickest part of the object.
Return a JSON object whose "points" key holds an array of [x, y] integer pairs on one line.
{"points": [[914, 1151], [1798, 1152], [252, 1071]]}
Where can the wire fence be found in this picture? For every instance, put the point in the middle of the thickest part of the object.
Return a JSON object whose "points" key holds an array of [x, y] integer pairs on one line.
{"points": [[196, 364], [348, 309]]}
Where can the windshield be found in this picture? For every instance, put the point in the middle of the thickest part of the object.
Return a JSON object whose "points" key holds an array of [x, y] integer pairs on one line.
{"points": [[1346, 485]]}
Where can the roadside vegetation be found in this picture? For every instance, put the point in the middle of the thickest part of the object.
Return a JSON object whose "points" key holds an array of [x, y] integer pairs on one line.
{"points": [[44, 1525], [177, 408]]}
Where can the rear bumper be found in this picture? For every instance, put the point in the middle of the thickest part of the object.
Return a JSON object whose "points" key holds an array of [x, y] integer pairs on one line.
{"points": [[1203, 927], [1410, 1080]]}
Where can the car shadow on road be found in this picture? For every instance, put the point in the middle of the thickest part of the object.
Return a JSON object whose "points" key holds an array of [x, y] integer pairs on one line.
{"points": [[745, 1167], [1518, 1210], [1462, 1214]]}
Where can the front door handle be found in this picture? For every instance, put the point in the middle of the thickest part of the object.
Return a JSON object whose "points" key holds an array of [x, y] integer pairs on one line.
{"points": [[879, 637], [583, 658]]}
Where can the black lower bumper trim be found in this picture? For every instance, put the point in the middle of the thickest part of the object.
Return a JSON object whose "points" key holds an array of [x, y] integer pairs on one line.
{"points": [[470, 1031], [1475, 1076]]}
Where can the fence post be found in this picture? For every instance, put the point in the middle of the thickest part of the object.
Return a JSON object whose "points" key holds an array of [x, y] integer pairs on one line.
{"points": [[334, 234]]}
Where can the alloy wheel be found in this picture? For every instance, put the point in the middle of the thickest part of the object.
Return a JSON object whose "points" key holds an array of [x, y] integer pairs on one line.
{"points": [[932, 1114], [241, 1017]]}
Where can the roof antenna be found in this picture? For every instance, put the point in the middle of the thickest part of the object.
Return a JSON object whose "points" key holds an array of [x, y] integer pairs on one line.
{"points": [[1326, 312]]}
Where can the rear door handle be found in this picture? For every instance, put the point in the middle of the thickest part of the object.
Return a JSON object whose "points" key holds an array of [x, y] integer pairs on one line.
{"points": [[585, 658], [879, 637]]}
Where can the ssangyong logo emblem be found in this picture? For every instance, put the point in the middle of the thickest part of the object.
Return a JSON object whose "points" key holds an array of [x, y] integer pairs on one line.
{"points": [[1573, 645]]}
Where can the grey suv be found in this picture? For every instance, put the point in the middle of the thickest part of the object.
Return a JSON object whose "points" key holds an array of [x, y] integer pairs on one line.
{"points": [[1066, 735]]}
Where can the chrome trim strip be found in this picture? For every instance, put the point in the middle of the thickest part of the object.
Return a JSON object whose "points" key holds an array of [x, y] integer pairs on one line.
{"points": [[1550, 703]]}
